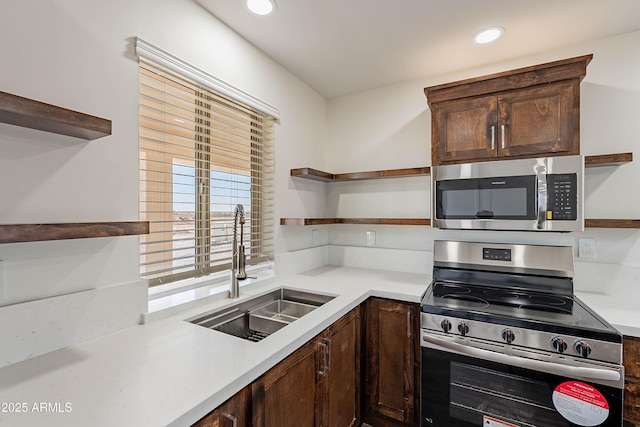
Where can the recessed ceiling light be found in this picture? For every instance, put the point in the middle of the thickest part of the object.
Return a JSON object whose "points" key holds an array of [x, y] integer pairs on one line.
{"points": [[488, 35], [261, 7]]}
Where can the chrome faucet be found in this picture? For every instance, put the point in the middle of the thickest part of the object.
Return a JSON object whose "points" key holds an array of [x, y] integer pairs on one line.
{"points": [[237, 250]]}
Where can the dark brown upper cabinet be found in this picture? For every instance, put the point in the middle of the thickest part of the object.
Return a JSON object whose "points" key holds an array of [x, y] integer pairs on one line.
{"points": [[527, 112]]}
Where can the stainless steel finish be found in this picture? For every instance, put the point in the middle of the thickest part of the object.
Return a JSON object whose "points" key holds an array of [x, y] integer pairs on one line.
{"points": [[263, 314], [237, 254], [547, 260], [599, 372], [532, 340], [234, 420], [501, 168], [323, 344], [502, 139], [541, 191], [493, 138]]}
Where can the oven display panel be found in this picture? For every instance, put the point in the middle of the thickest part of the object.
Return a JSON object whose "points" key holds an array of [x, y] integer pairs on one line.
{"points": [[496, 254]]}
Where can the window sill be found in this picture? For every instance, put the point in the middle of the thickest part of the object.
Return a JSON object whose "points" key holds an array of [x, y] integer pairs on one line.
{"points": [[166, 299]]}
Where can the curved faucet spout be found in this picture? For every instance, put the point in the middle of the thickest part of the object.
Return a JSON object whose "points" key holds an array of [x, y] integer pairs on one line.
{"points": [[237, 253]]}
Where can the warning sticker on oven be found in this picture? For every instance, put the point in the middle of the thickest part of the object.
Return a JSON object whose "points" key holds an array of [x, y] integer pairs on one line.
{"points": [[492, 422], [580, 403]]}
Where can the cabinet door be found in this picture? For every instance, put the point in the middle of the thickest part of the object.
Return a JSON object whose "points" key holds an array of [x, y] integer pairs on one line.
{"points": [[286, 395], [341, 404], [235, 412], [464, 130], [540, 120], [392, 369]]}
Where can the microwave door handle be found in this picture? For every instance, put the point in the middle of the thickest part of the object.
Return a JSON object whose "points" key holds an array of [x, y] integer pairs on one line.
{"points": [[541, 196], [521, 362]]}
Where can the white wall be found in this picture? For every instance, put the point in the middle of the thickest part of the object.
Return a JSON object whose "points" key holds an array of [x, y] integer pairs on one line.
{"points": [[79, 54], [389, 128]]}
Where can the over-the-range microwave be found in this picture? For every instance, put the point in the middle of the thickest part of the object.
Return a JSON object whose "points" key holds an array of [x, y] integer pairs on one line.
{"points": [[542, 194]]}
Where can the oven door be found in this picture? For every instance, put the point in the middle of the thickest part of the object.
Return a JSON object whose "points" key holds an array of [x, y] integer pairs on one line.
{"points": [[465, 391]]}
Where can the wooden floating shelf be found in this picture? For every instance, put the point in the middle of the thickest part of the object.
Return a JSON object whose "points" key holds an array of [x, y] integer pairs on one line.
{"points": [[588, 223], [18, 233], [608, 160], [25, 112], [615, 159], [367, 221], [612, 223], [317, 175]]}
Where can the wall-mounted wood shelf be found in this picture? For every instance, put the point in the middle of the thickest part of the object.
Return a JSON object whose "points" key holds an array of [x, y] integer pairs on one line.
{"points": [[25, 112], [612, 223], [588, 223], [607, 160], [317, 175], [615, 159], [18, 233], [367, 221]]}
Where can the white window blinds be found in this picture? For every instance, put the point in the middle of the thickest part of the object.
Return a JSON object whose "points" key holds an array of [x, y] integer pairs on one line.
{"points": [[201, 153]]}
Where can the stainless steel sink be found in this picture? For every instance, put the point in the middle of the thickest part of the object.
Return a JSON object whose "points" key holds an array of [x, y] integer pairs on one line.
{"points": [[261, 316]]}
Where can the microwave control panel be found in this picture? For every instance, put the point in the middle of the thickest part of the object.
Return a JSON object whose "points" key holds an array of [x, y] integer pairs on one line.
{"points": [[562, 197]]}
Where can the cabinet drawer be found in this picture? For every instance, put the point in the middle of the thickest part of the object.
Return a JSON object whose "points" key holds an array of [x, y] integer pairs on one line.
{"points": [[631, 357], [632, 401]]}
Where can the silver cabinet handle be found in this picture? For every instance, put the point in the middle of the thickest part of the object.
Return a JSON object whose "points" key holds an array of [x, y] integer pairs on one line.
{"points": [[409, 324], [521, 362], [328, 341], [502, 141], [324, 369], [493, 138], [234, 420]]}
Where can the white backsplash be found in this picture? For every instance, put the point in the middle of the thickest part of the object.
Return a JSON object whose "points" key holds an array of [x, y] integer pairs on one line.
{"points": [[32, 328]]}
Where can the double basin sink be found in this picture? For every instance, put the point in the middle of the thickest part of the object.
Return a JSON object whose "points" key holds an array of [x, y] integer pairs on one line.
{"points": [[259, 317]]}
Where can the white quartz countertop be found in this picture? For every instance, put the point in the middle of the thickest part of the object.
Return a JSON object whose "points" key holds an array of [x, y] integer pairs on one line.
{"points": [[170, 372]]}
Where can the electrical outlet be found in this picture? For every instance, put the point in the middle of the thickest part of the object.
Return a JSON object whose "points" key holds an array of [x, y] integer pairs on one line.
{"points": [[371, 238], [315, 240], [587, 248]]}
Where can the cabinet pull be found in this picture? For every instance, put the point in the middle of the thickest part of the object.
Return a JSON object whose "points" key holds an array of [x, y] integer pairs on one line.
{"points": [[502, 142], [493, 138], [409, 324], [328, 341], [323, 371], [234, 420]]}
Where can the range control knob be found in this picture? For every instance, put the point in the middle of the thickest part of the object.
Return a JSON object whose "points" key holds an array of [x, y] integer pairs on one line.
{"points": [[508, 335], [445, 325], [582, 348], [559, 344], [463, 328]]}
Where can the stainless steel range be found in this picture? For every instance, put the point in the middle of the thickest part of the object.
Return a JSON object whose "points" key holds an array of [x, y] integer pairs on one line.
{"points": [[505, 343]]}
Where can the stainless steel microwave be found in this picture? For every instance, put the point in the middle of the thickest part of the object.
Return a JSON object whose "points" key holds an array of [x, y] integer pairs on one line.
{"points": [[542, 194]]}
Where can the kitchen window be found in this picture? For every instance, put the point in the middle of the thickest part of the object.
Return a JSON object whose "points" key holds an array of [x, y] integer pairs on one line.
{"points": [[201, 153]]}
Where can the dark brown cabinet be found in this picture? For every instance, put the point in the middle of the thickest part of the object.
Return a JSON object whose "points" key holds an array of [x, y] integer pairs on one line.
{"points": [[392, 368], [527, 112], [235, 412], [318, 385], [631, 361]]}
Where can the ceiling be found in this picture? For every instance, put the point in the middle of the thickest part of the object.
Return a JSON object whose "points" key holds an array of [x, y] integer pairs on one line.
{"points": [[340, 47]]}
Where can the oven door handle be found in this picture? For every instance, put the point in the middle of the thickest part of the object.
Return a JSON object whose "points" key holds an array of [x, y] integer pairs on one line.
{"points": [[521, 362]]}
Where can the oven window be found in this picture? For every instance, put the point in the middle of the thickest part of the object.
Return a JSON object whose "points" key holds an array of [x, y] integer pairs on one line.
{"points": [[463, 391], [476, 391]]}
